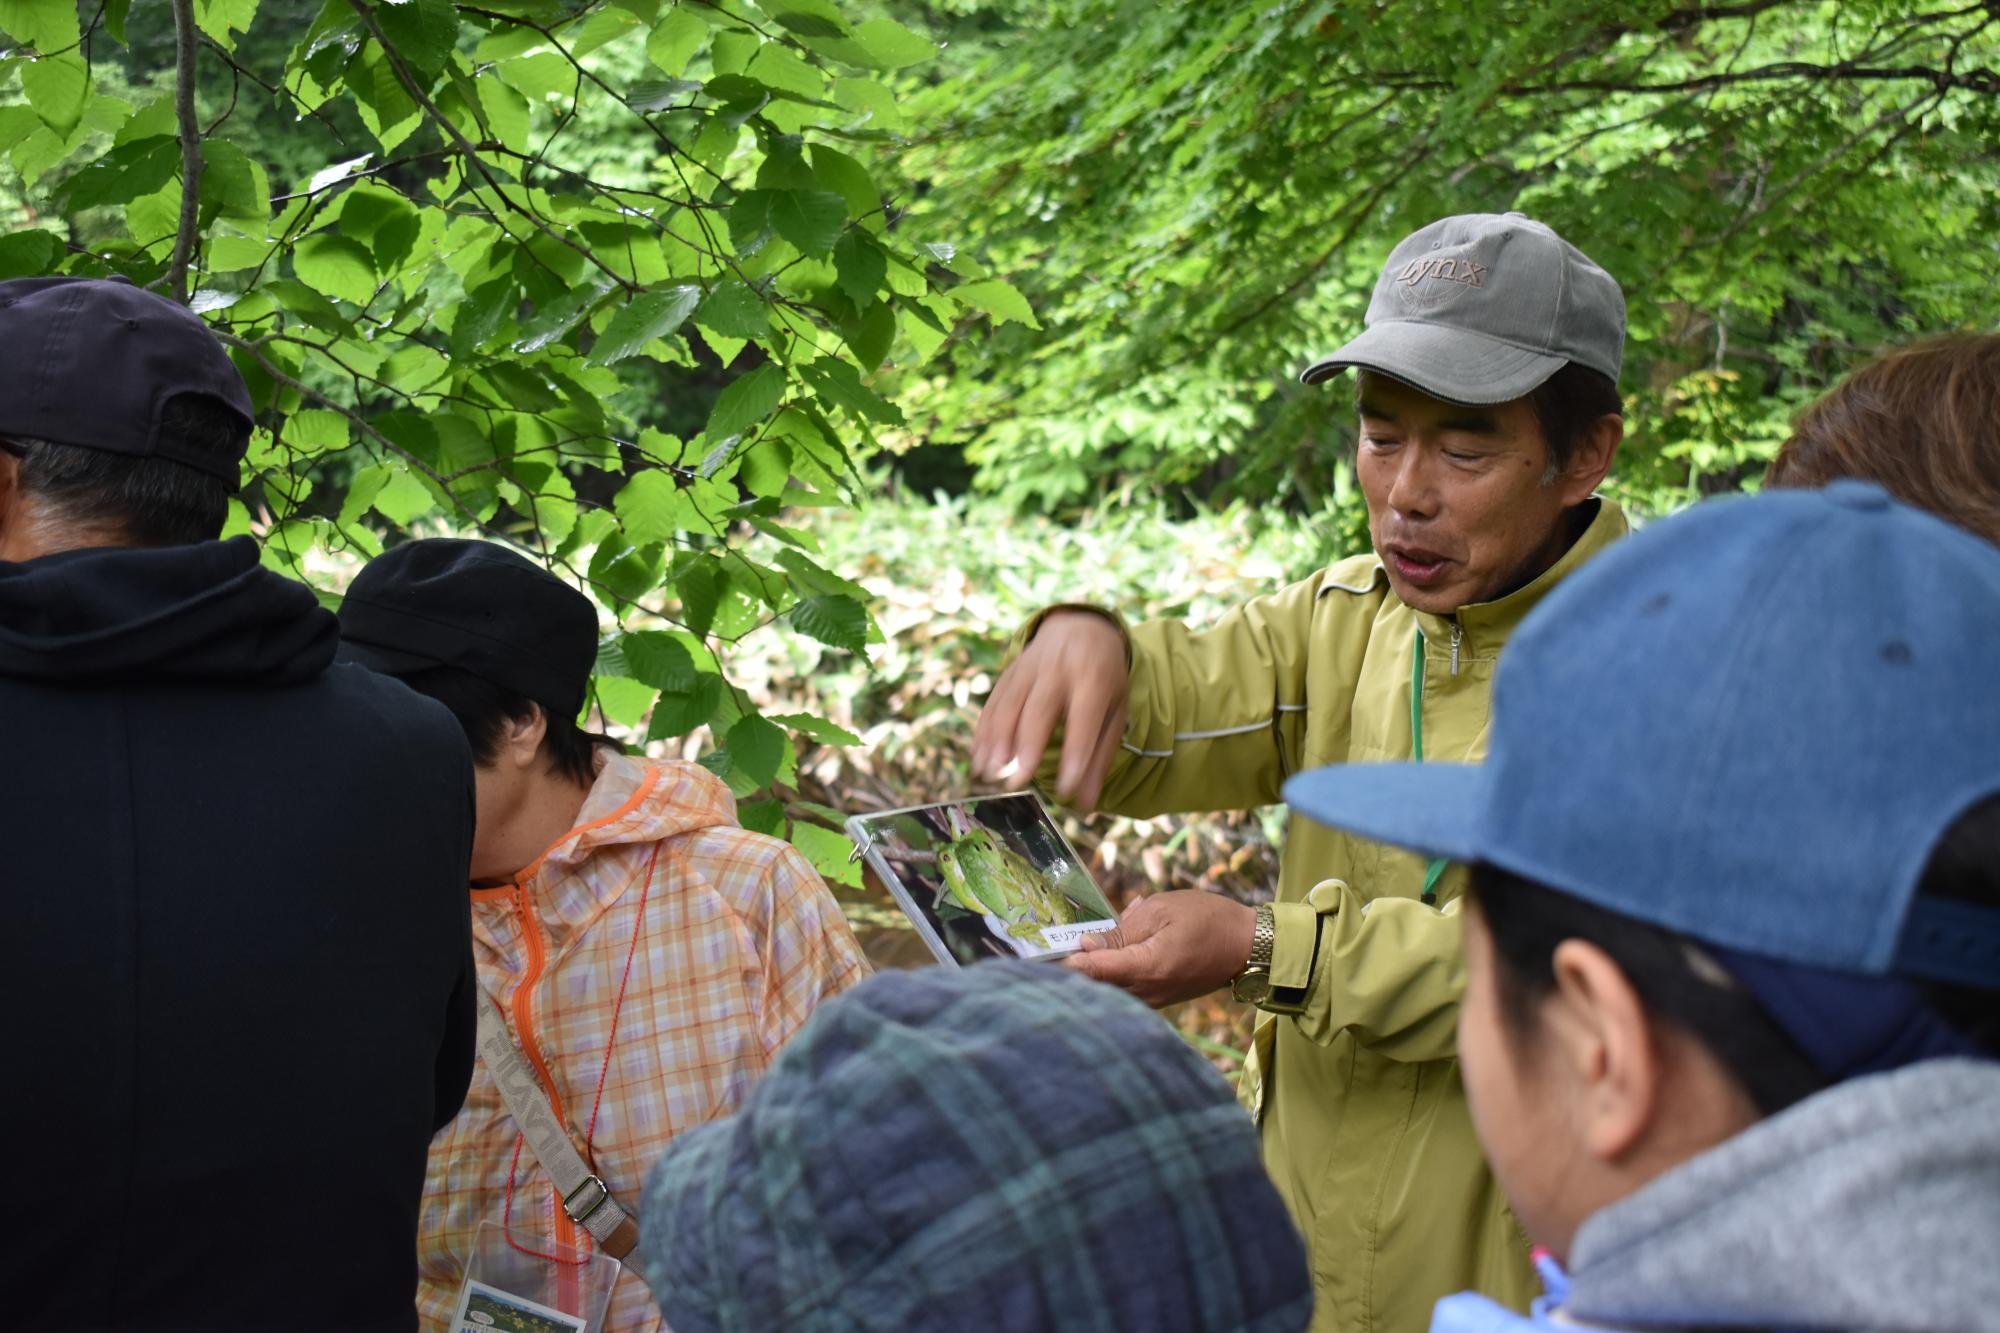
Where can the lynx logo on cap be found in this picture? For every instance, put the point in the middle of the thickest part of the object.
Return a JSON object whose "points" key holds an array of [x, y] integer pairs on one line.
{"points": [[1482, 308], [1449, 270]]}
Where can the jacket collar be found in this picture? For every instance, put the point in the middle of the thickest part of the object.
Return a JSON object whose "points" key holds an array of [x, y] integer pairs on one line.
{"points": [[1485, 626]]}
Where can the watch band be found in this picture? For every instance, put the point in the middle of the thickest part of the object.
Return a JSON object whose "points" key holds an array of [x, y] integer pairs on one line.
{"points": [[1253, 983], [1263, 939]]}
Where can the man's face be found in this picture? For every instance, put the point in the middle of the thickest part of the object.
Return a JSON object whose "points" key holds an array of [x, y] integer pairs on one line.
{"points": [[1457, 505]]}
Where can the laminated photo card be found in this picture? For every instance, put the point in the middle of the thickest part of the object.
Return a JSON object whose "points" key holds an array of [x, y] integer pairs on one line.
{"points": [[990, 877]]}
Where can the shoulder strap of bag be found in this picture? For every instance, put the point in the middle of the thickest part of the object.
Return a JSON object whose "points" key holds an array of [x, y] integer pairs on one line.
{"points": [[585, 1197]]}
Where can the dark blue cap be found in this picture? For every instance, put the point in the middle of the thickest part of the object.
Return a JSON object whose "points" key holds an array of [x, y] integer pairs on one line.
{"points": [[478, 607], [92, 362]]}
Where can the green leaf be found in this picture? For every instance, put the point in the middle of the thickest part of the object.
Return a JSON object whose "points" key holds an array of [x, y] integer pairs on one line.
{"points": [[818, 728], [384, 221], [336, 266], [777, 68], [700, 593], [997, 298], [422, 31], [747, 401], [678, 712], [507, 111], [767, 467], [223, 19], [839, 383], [312, 308], [811, 220], [404, 498], [765, 817], [836, 171], [732, 51], [56, 87], [659, 659], [650, 315], [623, 702], [871, 336], [122, 175], [890, 45], [860, 267], [28, 254], [831, 853], [659, 94], [755, 747], [114, 19], [626, 570], [648, 506], [47, 25], [675, 39], [836, 620], [231, 184]]}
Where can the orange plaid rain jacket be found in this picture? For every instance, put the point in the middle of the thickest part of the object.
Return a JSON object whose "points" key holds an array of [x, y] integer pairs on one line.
{"points": [[740, 939]]}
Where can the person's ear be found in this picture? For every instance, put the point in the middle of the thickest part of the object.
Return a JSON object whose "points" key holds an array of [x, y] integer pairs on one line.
{"points": [[1591, 460], [521, 737], [1615, 1064]]}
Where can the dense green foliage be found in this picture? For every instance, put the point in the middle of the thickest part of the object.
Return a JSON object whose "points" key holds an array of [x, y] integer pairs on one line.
{"points": [[605, 280], [1197, 198], [635, 284]]}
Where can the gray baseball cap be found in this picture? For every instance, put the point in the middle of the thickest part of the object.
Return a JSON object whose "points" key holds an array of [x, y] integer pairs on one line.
{"points": [[1483, 307]]}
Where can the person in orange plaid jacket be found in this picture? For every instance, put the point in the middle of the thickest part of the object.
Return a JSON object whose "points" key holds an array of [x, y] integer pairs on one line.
{"points": [[649, 954]]}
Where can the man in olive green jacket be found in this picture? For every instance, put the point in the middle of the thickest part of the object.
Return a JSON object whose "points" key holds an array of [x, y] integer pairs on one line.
{"points": [[1489, 413]]}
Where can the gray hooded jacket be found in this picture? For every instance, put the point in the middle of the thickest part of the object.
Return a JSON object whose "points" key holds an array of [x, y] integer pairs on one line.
{"points": [[1871, 1207]]}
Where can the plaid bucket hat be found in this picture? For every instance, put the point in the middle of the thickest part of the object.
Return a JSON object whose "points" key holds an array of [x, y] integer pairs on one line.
{"points": [[1008, 1147]]}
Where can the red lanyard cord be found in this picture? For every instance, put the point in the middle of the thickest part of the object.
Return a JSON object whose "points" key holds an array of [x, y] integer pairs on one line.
{"points": [[603, 1074]]}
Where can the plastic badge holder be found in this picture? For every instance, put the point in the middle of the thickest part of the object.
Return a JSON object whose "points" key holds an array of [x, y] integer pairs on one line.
{"points": [[555, 1289]]}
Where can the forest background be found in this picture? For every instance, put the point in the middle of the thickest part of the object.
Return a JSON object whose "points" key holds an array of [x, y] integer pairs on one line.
{"points": [[820, 342]]}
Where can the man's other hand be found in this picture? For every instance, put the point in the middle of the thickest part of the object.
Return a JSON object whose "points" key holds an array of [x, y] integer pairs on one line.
{"points": [[1072, 672], [1172, 946]]}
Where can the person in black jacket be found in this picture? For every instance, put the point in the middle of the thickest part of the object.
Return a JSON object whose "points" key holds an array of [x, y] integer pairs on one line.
{"points": [[237, 989]]}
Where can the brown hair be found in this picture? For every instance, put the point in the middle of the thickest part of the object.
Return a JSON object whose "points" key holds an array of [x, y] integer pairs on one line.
{"points": [[1922, 421]]}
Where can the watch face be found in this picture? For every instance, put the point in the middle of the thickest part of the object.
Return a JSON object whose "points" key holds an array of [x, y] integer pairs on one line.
{"points": [[1252, 986]]}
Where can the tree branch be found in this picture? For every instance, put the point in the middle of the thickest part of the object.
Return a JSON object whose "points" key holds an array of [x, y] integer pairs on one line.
{"points": [[190, 133]]}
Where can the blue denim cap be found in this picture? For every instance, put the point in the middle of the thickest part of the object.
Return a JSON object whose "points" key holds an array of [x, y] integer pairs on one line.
{"points": [[1750, 723], [1003, 1147]]}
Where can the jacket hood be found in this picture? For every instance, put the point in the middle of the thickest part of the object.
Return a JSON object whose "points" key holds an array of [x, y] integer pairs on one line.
{"points": [[207, 613], [637, 800], [1870, 1206]]}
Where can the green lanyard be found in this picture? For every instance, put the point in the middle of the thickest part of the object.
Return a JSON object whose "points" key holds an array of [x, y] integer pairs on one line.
{"points": [[1435, 870]]}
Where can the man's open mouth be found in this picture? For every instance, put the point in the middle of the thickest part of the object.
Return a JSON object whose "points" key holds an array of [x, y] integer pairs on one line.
{"points": [[1416, 564]]}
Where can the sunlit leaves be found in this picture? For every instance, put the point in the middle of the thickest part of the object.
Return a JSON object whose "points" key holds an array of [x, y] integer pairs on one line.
{"points": [[336, 266], [997, 298], [649, 316], [747, 401]]}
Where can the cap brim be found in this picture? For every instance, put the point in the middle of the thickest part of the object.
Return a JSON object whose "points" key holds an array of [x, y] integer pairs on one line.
{"points": [[1435, 809], [388, 661], [1457, 365]]}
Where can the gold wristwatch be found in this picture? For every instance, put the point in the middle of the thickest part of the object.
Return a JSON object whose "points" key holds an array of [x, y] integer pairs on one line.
{"points": [[1253, 983]]}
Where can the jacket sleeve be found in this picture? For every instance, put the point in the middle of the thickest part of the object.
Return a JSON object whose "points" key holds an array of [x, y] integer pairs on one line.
{"points": [[459, 1048], [1217, 716], [810, 954], [1389, 972]]}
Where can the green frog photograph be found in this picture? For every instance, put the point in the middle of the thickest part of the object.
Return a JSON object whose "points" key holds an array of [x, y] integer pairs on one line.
{"points": [[986, 878]]}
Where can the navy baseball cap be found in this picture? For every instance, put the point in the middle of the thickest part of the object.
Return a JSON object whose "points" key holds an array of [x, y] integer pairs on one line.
{"points": [[478, 607], [1750, 724], [92, 362]]}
